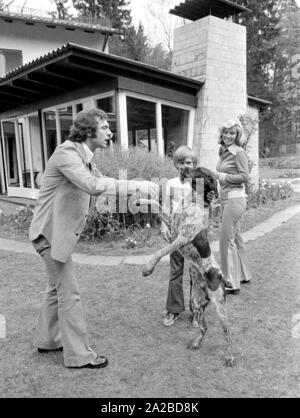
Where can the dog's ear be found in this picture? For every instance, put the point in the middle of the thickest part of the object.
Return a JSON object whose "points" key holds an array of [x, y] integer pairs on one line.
{"points": [[213, 278], [214, 185], [210, 182]]}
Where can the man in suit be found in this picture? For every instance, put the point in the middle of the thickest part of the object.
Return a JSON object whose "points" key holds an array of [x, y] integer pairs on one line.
{"points": [[59, 217]]}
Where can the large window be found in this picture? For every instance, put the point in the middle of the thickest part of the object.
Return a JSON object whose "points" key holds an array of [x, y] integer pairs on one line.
{"points": [[65, 121], [57, 122], [175, 126], [135, 119], [50, 131], [141, 123], [147, 117], [11, 154], [9, 60], [31, 153], [108, 104]]}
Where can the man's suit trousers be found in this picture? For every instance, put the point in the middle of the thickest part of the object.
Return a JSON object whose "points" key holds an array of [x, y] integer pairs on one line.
{"points": [[61, 320]]}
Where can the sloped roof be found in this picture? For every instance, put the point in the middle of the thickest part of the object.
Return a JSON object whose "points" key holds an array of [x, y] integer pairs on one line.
{"points": [[261, 103], [73, 66], [71, 24], [197, 9]]}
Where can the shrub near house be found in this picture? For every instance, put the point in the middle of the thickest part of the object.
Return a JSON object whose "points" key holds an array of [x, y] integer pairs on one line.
{"points": [[139, 164]]}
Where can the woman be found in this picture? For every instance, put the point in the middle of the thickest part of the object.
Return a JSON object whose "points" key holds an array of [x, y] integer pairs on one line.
{"points": [[233, 173]]}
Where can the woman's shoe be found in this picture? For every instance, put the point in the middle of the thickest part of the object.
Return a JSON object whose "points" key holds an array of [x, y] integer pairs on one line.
{"points": [[100, 361], [245, 281], [46, 350], [232, 291]]}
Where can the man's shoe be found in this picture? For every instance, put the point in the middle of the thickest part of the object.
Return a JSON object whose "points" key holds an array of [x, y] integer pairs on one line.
{"points": [[245, 281], [45, 350], [99, 362], [170, 318], [232, 291]]}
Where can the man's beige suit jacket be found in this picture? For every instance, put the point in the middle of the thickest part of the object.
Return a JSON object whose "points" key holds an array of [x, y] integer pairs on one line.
{"points": [[63, 202]]}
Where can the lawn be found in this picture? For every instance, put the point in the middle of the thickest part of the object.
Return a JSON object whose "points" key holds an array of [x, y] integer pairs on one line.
{"points": [[278, 167], [124, 313]]}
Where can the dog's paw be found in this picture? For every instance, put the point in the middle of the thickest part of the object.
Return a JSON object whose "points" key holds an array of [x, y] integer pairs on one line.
{"points": [[147, 271], [192, 345]]}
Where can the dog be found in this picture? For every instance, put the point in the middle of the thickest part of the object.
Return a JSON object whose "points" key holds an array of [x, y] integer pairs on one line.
{"points": [[189, 237]]}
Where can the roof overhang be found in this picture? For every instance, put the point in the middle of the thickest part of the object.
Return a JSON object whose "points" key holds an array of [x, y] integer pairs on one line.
{"points": [[261, 103], [71, 67], [53, 23], [197, 9]]}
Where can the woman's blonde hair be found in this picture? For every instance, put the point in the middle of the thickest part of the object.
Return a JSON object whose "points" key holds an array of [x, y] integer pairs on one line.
{"points": [[182, 153], [232, 123]]}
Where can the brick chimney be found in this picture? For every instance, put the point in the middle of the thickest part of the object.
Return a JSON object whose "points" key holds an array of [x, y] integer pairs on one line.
{"points": [[213, 50]]}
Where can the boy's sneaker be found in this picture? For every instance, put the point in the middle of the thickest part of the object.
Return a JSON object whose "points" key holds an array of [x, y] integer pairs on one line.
{"points": [[170, 318]]}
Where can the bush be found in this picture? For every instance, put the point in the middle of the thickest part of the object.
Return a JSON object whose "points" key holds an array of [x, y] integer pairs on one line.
{"points": [[268, 192], [142, 164], [138, 162], [20, 220], [99, 224]]}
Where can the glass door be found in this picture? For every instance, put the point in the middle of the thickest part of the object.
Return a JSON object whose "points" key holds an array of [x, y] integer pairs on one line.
{"points": [[11, 154]]}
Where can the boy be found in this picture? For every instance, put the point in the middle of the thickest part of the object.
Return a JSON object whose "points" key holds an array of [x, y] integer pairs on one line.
{"points": [[176, 191]]}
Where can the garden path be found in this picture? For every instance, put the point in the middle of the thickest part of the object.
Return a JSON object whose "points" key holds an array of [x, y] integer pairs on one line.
{"points": [[96, 260]]}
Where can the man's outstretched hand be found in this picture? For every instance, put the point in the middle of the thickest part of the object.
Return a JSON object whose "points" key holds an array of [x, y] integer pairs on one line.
{"points": [[148, 189]]}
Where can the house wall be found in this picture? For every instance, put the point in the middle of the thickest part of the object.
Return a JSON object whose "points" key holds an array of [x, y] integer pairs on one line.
{"points": [[2, 63], [38, 39], [213, 50]]}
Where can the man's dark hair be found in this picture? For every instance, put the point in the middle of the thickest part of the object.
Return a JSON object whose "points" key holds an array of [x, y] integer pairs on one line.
{"points": [[85, 124]]}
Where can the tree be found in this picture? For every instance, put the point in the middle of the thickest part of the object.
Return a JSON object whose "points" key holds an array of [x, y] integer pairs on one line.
{"points": [[5, 5], [270, 48], [133, 45], [116, 12], [159, 57], [262, 34], [61, 9], [285, 80], [163, 22]]}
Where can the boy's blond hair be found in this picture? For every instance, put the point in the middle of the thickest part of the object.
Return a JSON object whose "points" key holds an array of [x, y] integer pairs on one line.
{"points": [[182, 153]]}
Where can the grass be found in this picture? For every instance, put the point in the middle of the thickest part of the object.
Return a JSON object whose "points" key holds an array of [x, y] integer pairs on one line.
{"points": [[279, 167], [280, 173], [124, 313]]}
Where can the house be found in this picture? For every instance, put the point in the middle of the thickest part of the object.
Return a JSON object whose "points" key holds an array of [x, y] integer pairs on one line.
{"points": [[147, 106], [23, 38]]}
